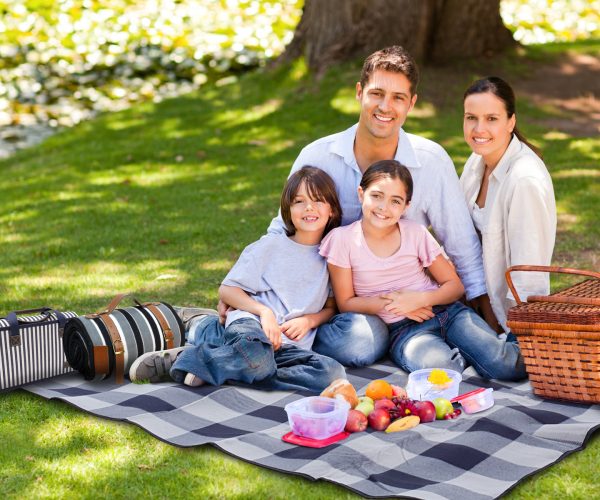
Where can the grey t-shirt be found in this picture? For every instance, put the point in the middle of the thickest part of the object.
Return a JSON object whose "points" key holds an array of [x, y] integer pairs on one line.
{"points": [[289, 278]]}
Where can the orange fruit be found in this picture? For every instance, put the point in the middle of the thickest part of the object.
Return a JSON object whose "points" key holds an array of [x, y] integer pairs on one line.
{"points": [[379, 389]]}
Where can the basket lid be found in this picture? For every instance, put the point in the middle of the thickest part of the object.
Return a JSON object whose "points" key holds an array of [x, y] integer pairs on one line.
{"points": [[555, 312]]}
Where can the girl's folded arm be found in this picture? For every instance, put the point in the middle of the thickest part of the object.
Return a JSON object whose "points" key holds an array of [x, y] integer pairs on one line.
{"points": [[346, 299], [450, 290]]}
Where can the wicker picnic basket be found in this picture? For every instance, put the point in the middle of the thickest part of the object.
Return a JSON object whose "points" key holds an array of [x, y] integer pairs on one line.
{"points": [[559, 337]]}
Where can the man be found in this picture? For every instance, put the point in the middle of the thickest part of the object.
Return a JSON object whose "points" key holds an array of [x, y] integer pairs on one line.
{"points": [[387, 94]]}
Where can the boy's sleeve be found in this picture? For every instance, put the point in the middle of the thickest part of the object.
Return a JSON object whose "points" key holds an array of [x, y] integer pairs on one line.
{"points": [[335, 249], [247, 273]]}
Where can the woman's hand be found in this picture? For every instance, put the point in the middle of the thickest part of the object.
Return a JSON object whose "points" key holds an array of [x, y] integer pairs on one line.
{"points": [[483, 307], [270, 327], [297, 328], [404, 303]]}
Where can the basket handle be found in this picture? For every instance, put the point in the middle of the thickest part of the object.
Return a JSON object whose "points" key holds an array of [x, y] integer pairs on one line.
{"points": [[551, 269]]}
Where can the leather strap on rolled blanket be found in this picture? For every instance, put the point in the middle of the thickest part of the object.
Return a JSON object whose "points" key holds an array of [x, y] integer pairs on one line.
{"points": [[108, 341]]}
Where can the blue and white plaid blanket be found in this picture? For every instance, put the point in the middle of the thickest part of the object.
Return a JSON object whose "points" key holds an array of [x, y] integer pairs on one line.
{"points": [[477, 456]]}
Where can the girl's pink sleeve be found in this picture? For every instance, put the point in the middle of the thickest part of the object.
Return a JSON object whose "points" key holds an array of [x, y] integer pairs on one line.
{"points": [[334, 248], [429, 248]]}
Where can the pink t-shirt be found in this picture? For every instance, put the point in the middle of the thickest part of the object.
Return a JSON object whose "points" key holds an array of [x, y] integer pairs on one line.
{"points": [[371, 275]]}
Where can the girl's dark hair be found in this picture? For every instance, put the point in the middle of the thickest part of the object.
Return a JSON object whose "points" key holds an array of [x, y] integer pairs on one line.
{"points": [[320, 187], [388, 168], [503, 91]]}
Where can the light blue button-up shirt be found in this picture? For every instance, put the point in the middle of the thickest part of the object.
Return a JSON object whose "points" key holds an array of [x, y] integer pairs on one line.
{"points": [[437, 200]]}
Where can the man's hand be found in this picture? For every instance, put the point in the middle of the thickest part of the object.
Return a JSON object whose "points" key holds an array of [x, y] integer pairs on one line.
{"points": [[223, 309], [296, 329], [270, 327], [483, 307]]}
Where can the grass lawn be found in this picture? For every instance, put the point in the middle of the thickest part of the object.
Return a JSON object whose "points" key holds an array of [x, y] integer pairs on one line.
{"points": [[160, 200]]}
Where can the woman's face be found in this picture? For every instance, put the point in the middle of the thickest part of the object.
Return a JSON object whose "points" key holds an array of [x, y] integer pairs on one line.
{"points": [[487, 127]]}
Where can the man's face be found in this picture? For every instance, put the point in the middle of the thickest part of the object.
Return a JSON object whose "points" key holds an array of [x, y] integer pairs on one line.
{"points": [[385, 101]]}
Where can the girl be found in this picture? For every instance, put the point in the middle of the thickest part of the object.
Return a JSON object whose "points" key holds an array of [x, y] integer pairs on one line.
{"points": [[377, 266], [279, 288], [509, 194]]}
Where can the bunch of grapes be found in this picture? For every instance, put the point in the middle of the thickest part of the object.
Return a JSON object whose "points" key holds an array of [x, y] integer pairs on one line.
{"points": [[404, 408]]}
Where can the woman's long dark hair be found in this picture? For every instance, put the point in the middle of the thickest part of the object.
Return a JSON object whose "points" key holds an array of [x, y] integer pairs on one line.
{"points": [[503, 91]]}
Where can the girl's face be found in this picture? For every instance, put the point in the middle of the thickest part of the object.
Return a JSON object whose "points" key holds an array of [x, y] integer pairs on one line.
{"points": [[487, 127], [383, 202], [308, 215]]}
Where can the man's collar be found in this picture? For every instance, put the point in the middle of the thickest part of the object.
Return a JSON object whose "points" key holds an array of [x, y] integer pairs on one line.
{"points": [[343, 146]]}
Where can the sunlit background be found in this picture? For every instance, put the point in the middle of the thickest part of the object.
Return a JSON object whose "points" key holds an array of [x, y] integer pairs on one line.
{"points": [[63, 61]]}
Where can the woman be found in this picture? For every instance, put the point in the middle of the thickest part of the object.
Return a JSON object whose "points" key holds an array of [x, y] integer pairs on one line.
{"points": [[509, 194]]}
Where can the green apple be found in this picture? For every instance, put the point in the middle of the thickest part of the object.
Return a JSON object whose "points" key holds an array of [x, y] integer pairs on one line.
{"points": [[442, 407], [366, 399], [365, 405]]}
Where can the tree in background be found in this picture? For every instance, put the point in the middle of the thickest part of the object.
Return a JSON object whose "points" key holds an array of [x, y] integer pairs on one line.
{"points": [[431, 30]]}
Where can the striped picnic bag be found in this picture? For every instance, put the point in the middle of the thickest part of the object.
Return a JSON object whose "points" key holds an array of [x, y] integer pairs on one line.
{"points": [[106, 343], [31, 347]]}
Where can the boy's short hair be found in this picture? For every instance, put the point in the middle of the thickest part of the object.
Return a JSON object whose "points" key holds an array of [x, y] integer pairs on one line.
{"points": [[395, 59], [320, 187]]}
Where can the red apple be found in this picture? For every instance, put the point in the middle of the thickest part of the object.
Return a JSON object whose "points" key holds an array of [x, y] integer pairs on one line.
{"points": [[356, 422], [399, 392], [379, 419], [385, 403], [425, 410]]}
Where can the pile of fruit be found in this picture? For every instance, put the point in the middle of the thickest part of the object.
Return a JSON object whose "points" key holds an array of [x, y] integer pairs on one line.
{"points": [[386, 407]]}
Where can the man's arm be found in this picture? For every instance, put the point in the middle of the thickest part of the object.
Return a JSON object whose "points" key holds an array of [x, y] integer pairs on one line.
{"points": [[450, 219]]}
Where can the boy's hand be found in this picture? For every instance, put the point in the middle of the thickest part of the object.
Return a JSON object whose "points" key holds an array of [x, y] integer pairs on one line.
{"points": [[296, 329], [271, 328], [223, 309]]}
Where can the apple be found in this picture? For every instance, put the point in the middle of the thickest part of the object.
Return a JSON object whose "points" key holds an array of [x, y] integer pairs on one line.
{"points": [[365, 408], [379, 419], [442, 407], [425, 410], [386, 404], [356, 421], [399, 392]]}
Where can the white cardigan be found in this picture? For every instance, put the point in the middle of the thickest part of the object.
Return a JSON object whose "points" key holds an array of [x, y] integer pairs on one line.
{"points": [[519, 225]]}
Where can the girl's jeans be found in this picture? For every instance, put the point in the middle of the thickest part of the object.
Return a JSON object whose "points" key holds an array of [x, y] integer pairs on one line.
{"points": [[455, 332], [245, 355]]}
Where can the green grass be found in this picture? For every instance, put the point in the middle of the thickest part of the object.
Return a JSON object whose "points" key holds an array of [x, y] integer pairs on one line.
{"points": [[159, 200]]}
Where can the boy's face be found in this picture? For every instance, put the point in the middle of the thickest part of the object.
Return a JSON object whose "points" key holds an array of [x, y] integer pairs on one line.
{"points": [[385, 101], [308, 215]]}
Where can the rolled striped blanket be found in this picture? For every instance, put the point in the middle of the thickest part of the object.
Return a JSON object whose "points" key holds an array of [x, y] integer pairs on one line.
{"points": [[107, 342]]}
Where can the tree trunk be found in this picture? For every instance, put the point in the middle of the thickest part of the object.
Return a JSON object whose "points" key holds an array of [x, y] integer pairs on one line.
{"points": [[431, 30]]}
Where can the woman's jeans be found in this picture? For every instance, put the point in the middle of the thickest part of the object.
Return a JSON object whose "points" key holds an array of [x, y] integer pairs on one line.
{"points": [[245, 355], [454, 333]]}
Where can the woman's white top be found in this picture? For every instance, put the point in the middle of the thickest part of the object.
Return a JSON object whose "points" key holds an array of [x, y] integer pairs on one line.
{"points": [[517, 224], [478, 216]]}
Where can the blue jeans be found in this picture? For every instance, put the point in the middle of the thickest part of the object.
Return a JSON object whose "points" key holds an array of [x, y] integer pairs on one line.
{"points": [[353, 339], [246, 356], [455, 329]]}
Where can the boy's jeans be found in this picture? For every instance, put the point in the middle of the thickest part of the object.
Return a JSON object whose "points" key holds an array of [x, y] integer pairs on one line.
{"points": [[455, 328], [352, 339], [246, 355]]}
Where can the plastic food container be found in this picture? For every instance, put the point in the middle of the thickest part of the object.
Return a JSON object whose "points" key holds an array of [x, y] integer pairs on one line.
{"points": [[477, 400], [419, 387], [316, 417]]}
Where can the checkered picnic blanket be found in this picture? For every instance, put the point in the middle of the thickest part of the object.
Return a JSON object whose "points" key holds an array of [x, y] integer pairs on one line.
{"points": [[475, 456]]}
